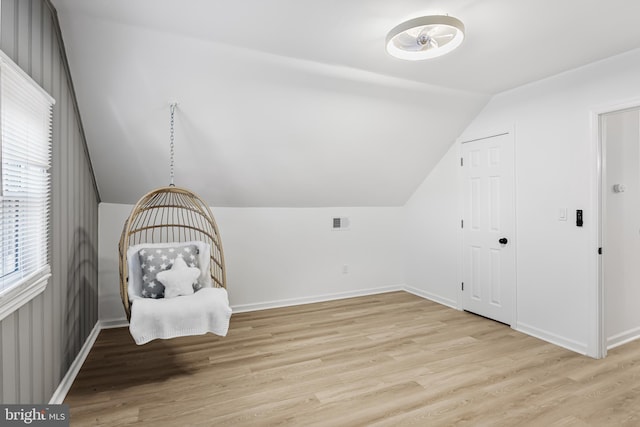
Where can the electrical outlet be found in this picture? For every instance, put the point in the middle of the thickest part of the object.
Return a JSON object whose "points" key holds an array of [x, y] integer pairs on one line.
{"points": [[345, 269]]}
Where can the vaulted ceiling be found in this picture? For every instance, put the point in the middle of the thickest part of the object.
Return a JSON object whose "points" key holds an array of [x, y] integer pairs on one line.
{"points": [[295, 102]]}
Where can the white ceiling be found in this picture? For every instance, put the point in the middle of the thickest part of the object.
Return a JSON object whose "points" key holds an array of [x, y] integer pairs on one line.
{"points": [[296, 103]]}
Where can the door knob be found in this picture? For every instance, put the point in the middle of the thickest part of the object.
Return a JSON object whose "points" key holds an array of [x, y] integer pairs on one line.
{"points": [[503, 241]]}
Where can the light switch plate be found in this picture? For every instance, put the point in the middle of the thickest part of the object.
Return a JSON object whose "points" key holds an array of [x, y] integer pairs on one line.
{"points": [[562, 214]]}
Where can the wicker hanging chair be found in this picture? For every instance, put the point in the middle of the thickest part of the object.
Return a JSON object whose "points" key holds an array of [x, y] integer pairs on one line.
{"points": [[170, 215]]}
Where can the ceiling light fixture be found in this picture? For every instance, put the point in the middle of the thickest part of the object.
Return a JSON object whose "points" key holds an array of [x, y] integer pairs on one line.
{"points": [[425, 37]]}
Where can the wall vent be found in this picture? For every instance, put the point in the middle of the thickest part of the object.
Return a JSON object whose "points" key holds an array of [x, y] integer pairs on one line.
{"points": [[341, 223]]}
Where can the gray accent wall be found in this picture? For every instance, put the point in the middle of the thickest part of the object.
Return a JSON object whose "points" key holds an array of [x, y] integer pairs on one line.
{"points": [[39, 342]]}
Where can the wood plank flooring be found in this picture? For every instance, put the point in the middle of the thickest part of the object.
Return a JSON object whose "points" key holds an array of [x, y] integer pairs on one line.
{"points": [[383, 360]]}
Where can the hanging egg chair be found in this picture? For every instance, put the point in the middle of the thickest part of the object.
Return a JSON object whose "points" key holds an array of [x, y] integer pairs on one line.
{"points": [[170, 223]]}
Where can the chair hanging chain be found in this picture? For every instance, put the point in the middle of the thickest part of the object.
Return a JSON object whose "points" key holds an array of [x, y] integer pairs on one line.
{"points": [[172, 109]]}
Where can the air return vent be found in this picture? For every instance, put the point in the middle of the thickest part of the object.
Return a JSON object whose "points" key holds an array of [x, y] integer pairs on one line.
{"points": [[341, 223]]}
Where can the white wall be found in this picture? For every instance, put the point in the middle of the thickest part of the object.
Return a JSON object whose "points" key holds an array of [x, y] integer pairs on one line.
{"points": [[111, 218], [282, 256], [555, 168], [621, 243], [432, 241]]}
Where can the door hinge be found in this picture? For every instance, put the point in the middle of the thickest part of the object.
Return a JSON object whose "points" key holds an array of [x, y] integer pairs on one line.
{"points": [[599, 251], [461, 161], [463, 286]]}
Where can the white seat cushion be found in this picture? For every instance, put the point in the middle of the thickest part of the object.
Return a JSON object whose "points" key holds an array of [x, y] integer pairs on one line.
{"points": [[204, 311]]}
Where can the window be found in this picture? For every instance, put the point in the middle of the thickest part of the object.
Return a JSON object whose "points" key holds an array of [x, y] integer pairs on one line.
{"points": [[25, 123]]}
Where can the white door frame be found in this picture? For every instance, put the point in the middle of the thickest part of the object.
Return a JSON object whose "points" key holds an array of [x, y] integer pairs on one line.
{"points": [[490, 133], [597, 342]]}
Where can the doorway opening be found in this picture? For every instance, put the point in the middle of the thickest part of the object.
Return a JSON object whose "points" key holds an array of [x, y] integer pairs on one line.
{"points": [[619, 227]]}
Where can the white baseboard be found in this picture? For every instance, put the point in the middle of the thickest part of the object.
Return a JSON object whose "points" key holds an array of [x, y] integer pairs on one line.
{"points": [[242, 308], [74, 369], [114, 323], [623, 338], [432, 297], [552, 338]]}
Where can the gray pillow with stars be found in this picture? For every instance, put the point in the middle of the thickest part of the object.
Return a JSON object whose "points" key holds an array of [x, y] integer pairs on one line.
{"points": [[155, 260]]}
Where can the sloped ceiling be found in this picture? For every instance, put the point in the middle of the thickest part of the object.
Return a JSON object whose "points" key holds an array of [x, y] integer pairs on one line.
{"points": [[296, 103]]}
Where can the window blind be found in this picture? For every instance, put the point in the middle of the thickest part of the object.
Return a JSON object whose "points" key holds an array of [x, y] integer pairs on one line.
{"points": [[25, 121]]}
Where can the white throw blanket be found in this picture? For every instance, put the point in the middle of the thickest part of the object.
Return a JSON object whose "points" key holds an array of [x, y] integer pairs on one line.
{"points": [[204, 311]]}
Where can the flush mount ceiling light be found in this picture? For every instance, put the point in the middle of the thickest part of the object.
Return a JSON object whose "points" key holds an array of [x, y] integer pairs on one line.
{"points": [[425, 37]]}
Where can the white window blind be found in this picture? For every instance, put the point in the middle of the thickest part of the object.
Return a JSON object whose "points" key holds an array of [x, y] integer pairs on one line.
{"points": [[25, 121]]}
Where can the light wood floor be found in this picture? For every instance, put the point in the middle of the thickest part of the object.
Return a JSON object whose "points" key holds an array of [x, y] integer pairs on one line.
{"points": [[383, 360]]}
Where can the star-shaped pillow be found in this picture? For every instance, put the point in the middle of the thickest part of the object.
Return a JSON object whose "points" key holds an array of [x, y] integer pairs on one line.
{"points": [[179, 279]]}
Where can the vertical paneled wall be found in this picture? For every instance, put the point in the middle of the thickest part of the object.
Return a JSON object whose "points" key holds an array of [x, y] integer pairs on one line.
{"points": [[39, 342]]}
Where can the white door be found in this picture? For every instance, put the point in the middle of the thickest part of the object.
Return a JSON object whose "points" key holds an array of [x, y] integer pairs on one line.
{"points": [[488, 229]]}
